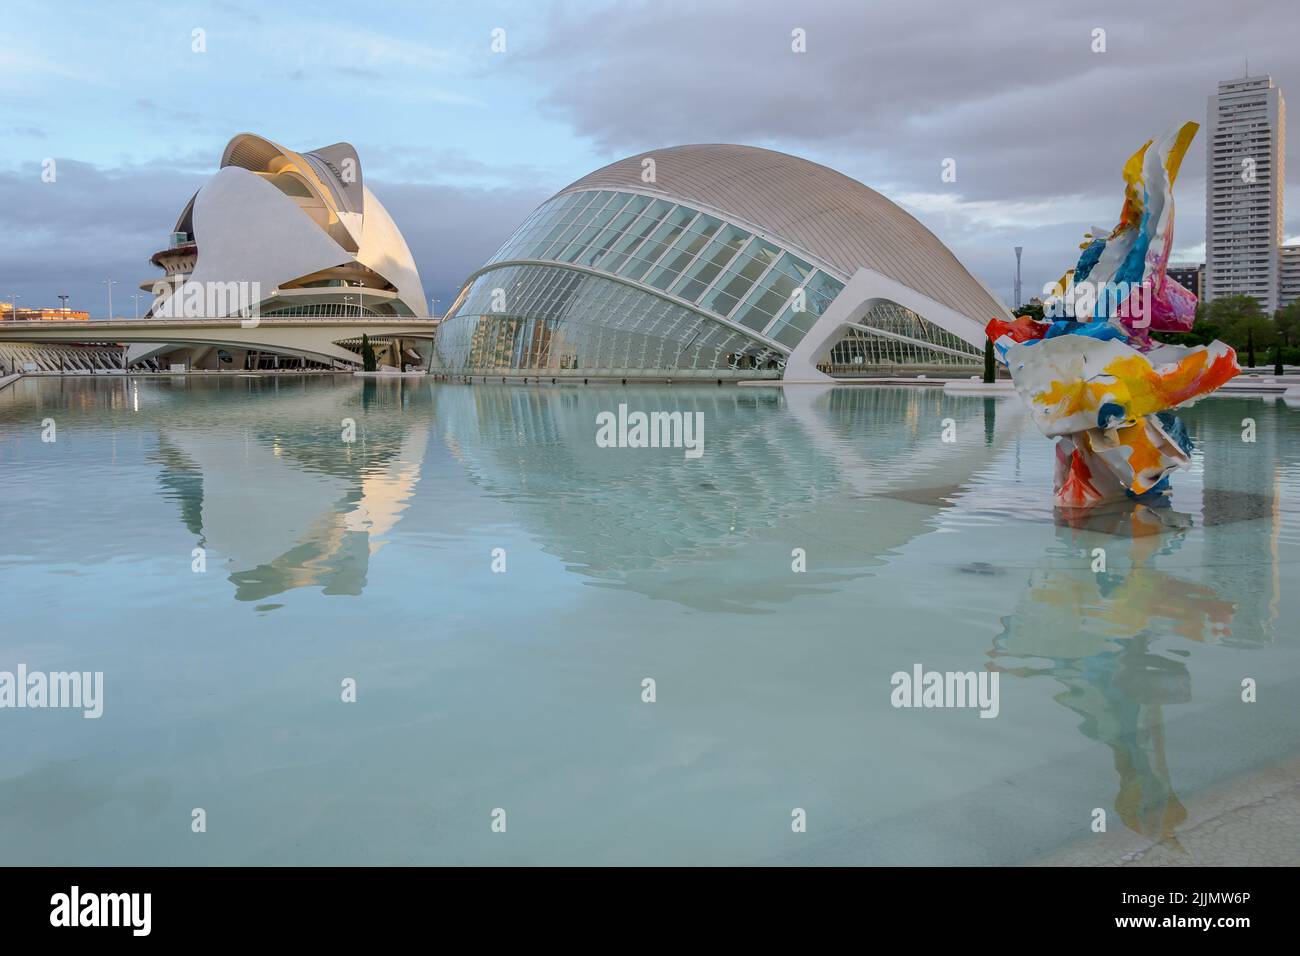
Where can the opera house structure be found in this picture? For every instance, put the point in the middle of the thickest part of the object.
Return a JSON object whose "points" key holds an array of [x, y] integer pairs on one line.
{"points": [[302, 225], [281, 259], [716, 261], [301, 228]]}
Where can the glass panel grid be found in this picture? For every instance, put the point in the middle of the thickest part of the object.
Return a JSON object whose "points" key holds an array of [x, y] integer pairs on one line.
{"points": [[553, 318]]}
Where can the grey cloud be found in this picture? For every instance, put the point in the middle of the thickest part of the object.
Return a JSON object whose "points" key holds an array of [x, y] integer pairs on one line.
{"points": [[1011, 90], [907, 82], [452, 230], [66, 236], [1038, 124], [92, 223], [451, 165]]}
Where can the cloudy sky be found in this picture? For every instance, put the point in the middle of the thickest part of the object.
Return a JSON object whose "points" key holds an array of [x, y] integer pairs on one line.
{"points": [[460, 142]]}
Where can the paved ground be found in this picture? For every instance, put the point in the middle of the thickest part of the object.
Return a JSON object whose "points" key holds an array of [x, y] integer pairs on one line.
{"points": [[1251, 821]]}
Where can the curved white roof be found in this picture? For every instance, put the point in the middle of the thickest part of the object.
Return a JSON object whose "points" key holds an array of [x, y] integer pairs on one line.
{"points": [[384, 250], [809, 206], [246, 229]]}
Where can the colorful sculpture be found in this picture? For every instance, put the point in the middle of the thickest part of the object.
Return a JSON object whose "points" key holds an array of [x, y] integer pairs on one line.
{"points": [[1090, 373]]}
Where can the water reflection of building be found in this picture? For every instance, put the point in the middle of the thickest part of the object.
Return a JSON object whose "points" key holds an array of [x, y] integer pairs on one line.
{"points": [[845, 467], [860, 473], [777, 468], [322, 506]]}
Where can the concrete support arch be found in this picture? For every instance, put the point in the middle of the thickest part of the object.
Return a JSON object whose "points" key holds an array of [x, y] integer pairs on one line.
{"points": [[865, 290]]}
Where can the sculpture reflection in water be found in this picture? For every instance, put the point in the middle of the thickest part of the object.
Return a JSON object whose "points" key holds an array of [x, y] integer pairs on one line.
{"points": [[1116, 668]]}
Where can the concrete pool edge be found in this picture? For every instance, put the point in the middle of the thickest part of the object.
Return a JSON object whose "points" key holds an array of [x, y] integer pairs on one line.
{"points": [[1230, 823]]}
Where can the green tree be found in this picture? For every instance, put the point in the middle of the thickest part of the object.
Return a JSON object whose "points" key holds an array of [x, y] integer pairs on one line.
{"points": [[990, 372], [1286, 323], [1242, 324], [367, 354]]}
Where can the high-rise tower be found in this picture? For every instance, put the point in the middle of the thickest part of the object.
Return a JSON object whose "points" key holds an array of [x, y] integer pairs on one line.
{"points": [[1244, 175]]}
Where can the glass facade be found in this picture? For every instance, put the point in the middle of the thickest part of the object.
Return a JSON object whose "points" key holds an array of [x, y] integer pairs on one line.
{"points": [[670, 288], [552, 320], [327, 310], [891, 338]]}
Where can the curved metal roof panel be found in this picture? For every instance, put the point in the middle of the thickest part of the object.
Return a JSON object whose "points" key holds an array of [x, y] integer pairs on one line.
{"points": [[809, 206]]}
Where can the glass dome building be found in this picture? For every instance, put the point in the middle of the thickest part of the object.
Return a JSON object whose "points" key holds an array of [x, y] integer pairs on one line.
{"points": [[716, 261]]}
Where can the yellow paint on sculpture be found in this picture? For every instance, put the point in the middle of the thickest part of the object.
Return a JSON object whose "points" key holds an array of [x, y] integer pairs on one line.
{"points": [[1134, 384], [1143, 454], [1068, 398], [1186, 133], [1131, 214]]}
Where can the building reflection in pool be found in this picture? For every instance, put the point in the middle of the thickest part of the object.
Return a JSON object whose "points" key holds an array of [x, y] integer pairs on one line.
{"points": [[652, 525], [335, 501]]}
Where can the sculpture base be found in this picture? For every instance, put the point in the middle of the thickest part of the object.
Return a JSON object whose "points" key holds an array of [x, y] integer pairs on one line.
{"points": [[1133, 461]]}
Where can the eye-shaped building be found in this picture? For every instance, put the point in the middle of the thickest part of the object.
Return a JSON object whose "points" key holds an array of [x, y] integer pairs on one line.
{"points": [[716, 261]]}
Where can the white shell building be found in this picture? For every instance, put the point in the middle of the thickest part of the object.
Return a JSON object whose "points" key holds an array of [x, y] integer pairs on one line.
{"points": [[716, 261], [301, 228]]}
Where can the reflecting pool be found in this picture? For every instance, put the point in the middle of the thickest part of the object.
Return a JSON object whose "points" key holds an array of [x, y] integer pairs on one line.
{"points": [[501, 589]]}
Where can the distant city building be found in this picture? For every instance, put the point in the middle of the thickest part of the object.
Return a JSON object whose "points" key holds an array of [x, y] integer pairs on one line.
{"points": [[1190, 276], [9, 314], [1245, 150], [1289, 288]]}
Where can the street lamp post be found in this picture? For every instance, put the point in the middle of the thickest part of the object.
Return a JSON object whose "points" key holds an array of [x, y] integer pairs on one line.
{"points": [[63, 303], [1019, 250], [137, 296], [110, 282], [13, 305]]}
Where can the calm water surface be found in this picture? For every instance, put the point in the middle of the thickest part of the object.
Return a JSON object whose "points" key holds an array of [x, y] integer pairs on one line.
{"points": [[522, 690]]}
